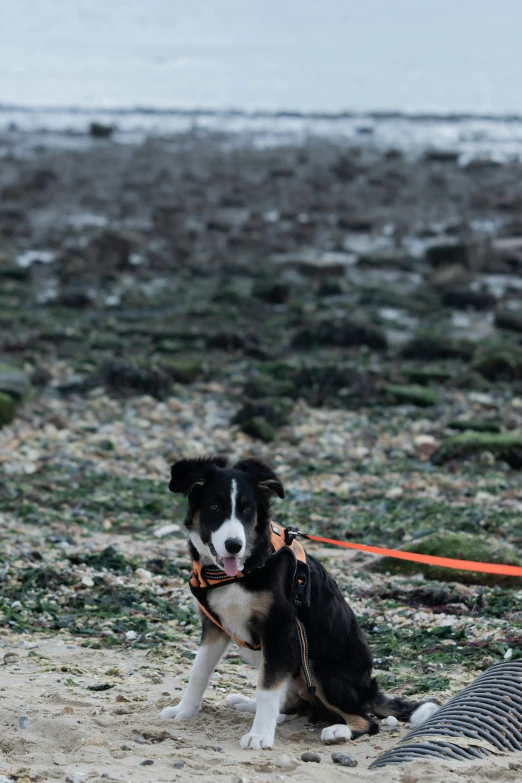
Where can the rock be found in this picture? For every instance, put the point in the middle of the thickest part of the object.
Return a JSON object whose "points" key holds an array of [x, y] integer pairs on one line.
{"points": [[387, 258], [183, 370], [273, 293], [23, 722], [343, 759], [13, 381], [335, 386], [178, 764], [272, 409], [146, 763], [391, 720], [461, 546], [108, 253], [464, 298], [226, 341], [434, 347], [340, 333], [264, 386], [166, 530], [475, 425], [285, 762], [507, 251], [509, 319], [7, 409], [441, 156], [99, 130], [498, 361], [450, 275], [258, 427], [415, 395], [443, 254], [125, 378], [425, 376], [75, 777], [310, 756], [11, 657], [329, 288], [505, 446]]}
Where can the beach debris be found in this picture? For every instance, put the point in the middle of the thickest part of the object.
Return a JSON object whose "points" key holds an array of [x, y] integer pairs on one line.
{"points": [[311, 756]]}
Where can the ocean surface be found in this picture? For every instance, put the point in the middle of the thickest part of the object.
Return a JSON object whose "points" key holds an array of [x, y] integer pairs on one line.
{"points": [[328, 57]]}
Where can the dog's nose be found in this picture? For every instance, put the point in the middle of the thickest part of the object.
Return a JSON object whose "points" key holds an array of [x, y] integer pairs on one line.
{"points": [[233, 545]]}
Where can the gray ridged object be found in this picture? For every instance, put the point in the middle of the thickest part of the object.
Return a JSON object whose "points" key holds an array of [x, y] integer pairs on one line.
{"points": [[482, 720]]}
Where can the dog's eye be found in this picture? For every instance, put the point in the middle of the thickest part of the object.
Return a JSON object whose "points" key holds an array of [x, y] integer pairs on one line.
{"points": [[247, 509], [214, 506]]}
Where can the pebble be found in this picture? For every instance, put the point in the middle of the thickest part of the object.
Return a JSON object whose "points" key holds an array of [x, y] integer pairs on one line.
{"points": [[11, 658], [166, 530], [23, 722], [74, 777], [284, 761], [391, 720], [131, 635], [344, 760], [125, 747], [146, 763], [179, 765], [310, 756]]}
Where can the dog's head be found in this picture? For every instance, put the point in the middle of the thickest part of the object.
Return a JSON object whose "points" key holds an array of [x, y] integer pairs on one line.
{"points": [[229, 507]]}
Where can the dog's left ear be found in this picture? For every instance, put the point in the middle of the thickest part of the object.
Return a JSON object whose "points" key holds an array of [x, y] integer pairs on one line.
{"points": [[264, 476], [186, 474]]}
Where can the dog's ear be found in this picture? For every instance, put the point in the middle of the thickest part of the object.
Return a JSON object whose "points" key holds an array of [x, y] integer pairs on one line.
{"points": [[186, 474], [264, 476]]}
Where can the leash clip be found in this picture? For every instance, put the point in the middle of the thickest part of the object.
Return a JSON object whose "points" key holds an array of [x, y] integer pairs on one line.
{"points": [[291, 533]]}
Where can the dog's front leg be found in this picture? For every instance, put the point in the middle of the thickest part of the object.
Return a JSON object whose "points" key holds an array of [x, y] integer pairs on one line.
{"points": [[213, 645], [278, 661], [261, 734]]}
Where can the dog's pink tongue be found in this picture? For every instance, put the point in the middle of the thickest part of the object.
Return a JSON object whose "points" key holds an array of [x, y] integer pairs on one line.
{"points": [[230, 566]]}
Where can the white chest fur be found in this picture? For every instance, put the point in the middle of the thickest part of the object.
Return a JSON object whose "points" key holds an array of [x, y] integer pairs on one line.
{"points": [[237, 607]]}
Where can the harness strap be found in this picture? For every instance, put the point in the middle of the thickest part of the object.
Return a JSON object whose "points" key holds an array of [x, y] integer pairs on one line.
{"points": [[305, 661], [203, 578]]}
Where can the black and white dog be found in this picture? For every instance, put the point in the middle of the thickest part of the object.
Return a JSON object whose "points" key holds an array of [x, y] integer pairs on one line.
{"points": [[229, 525]]}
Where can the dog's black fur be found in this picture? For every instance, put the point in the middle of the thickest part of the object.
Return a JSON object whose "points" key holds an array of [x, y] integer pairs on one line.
{"points": [[341, 660]]}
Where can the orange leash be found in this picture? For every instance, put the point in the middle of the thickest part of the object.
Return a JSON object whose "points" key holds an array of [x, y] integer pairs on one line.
{"points": [[444, 562]]}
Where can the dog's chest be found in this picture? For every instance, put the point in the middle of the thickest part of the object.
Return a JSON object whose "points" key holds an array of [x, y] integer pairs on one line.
{"points": [[238, 608]]}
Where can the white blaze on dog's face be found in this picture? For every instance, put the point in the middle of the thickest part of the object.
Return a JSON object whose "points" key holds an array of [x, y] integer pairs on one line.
{"points": [[228, 506], [229, 540]]}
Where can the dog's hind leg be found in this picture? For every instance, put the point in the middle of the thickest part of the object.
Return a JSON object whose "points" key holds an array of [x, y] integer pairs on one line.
{"points": [[214, 644], [339, 694]]}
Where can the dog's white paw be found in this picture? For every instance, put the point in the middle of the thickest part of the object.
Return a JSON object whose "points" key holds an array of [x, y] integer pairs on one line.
{"points": [[179, 712], [241, 703], [256, 741], [335, 734], [423, 712]]}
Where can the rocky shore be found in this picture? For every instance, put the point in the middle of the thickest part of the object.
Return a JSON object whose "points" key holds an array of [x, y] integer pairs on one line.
{"points": [[348, 311]]}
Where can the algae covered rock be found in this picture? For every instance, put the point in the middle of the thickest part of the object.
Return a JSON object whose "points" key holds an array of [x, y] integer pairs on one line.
{"points": [[505, 446], [258, 427], [477, 425], [7, 409], [415, 395], [459, 546], [13, 381], [498, 361]]}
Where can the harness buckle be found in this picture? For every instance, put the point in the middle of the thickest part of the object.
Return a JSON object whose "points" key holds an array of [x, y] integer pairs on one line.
{"points": [[290, 534]]}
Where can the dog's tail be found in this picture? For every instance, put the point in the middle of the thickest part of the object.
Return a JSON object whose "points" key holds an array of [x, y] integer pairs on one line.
{"points": [[399, 707]]}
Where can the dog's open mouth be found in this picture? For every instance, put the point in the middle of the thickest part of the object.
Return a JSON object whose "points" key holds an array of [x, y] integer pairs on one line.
{"points": [[230, 565]]}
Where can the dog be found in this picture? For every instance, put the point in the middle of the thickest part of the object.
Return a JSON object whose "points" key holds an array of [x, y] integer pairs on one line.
{"points": [[231, 535]]}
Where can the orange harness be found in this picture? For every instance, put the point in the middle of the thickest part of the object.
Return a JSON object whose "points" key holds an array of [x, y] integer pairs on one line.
{"points": [[204, 577]]}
